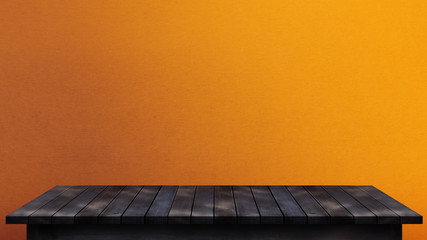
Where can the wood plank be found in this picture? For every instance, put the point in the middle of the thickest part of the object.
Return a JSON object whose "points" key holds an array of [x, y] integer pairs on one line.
{"points": [[180, 212], [406, 214], [214, 205], [44, 214], [384, 214], [289, 207], [20, 216], [89, 214], [360, 213], [267, 206], [246, 209], [66, 214], [203, 206], [137, 210], [224, 209], [315, 213], [159, 210], [339, 215], [113, 212]]}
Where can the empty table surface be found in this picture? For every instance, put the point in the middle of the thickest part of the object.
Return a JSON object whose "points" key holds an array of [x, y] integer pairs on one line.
{"points": [[214, 205]]}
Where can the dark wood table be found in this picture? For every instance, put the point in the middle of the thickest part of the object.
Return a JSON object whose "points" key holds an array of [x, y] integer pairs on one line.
{"points": [[214, 212]]}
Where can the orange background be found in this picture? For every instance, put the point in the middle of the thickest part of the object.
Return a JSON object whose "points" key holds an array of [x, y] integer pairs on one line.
{"points": [[213, 92]]}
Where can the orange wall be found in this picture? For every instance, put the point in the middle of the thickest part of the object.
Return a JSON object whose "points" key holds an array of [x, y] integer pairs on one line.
{"points": [[213, 92]]}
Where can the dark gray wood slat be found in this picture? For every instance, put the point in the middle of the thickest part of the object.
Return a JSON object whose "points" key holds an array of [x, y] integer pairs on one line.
{"points": [[159, 210], [137, 210], [68, 212], [65, 205], [224, 209], [384, 214], [246, 209], [203, 206], [20, 216], [44, 214], [406, 214], [267, 206], [113, 212], [89, 214], [339, 215], [315, 213], [361, 214], [182, 205], [289, 207]]}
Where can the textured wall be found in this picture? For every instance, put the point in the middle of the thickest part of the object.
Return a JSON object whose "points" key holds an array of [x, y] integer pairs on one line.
{"points": [[213, 92]]}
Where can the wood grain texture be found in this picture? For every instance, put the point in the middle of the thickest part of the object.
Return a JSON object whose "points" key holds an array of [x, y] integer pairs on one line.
{"points": [[90, 213], [406, 214], [246, 208], [67, 214], [44, 214], [225, 209], [360, 213], [180, 212], [113, 212], [339, 215], [159, 210], [203, 207], [20, 216], [315, 213], [384, 214], [135, 214], [267, 205], [288, 205], [207, 205]]}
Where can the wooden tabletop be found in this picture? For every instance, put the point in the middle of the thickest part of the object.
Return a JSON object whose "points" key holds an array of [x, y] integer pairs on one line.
{"points": [[213, 205]]}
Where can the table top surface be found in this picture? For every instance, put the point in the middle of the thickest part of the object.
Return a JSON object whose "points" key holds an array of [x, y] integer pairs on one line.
{"points": [[275, 204]]}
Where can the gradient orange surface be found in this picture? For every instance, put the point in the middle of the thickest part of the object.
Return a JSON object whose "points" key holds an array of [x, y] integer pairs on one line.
{"points": [[213, 92]]}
